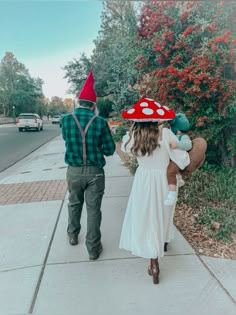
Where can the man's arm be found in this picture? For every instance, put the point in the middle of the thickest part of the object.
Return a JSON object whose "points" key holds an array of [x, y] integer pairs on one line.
{"points": [[108, 145]]}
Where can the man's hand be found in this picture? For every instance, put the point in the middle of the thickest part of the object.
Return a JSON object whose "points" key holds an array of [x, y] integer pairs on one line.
{"points": [[173, 144]]}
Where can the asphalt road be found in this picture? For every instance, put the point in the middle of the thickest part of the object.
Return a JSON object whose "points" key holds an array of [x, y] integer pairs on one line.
{"points": [[15, 145]]}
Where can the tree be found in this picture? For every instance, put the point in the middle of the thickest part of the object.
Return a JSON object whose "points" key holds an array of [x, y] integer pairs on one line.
{"points": [[10, 72], [112, 59], [113, 56], [18, 88], [76, 72], [69, 104], [56, 106]]}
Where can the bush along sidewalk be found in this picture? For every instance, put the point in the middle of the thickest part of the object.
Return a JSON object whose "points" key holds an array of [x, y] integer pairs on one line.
{"points": [[206, 211], [120, 132], [211, 192]]}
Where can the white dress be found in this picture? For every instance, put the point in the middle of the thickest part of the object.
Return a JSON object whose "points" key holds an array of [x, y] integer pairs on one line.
{"points": [[148, 223]]}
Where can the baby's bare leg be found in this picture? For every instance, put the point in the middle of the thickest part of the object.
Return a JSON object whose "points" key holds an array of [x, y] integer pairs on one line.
{"points": [[172, 171]]}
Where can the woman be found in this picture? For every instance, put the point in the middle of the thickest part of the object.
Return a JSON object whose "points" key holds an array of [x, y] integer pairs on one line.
{"points": [[148, 223]]}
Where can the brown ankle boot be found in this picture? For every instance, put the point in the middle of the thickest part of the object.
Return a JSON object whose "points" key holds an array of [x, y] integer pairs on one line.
{"points": [[154, 270]]}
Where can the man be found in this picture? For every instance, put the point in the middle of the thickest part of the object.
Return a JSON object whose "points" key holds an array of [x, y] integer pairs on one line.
{"points": [[88, 139]]}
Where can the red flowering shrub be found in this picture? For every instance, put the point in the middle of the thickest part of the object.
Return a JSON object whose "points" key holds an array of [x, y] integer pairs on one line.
{"points": [[188, 62]]}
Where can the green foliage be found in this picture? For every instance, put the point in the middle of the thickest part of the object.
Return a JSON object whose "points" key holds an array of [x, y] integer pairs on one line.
{"points": [[133, 165], [56, 106], [104, 107], [210, 186], [225, 219], [120, 132], [213, 190], [113, 59], [18, 88], [123, 73], [76, 71]]}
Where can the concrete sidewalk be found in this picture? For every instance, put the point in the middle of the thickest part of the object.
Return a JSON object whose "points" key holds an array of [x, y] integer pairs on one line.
{"points": [[41, 273]]}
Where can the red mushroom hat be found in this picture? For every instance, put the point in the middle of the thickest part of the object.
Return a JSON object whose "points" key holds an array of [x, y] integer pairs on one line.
{"points": [[147, 109]]}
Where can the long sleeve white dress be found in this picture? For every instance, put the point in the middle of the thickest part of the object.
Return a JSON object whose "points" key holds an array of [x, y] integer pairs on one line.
{"points": [[148, 223]]}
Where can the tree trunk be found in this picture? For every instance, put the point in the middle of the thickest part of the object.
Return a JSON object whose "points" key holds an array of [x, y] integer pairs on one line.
{"points": [[224, 159], [233, 161]]}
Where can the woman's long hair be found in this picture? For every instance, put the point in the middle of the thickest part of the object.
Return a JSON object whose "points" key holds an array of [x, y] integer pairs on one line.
{"points": [[145, 135]]}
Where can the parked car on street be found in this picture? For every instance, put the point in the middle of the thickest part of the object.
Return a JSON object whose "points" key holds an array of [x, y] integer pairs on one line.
{"points": [[56, 119], [29, 121]]}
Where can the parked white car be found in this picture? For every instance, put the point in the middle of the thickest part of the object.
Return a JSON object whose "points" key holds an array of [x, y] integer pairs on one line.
{"points": [[56, 119], [28, 121]]}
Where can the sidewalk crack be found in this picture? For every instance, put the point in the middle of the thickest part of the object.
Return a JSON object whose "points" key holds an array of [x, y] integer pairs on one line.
{"points": [[215, 277], [31, 309]]}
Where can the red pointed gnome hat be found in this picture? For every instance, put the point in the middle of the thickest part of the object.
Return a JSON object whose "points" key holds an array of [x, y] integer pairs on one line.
{"points": [[147, 109], [88, 93]]}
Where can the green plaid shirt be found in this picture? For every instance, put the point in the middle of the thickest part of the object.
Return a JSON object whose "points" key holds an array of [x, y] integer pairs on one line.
{"points": [[99, 141]]}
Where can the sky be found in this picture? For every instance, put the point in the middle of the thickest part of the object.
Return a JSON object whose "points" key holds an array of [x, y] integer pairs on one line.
{"points": [[46, 35]]}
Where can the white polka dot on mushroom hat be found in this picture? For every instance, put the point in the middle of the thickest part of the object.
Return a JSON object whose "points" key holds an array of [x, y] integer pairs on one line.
{"points": [[160, 112], [144, 104], [167, 108], [131, 111], [157, 104], [147, 111]]}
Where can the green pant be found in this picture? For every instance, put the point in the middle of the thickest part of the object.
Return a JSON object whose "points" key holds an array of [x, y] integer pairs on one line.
{"points": [[86, 182]]}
